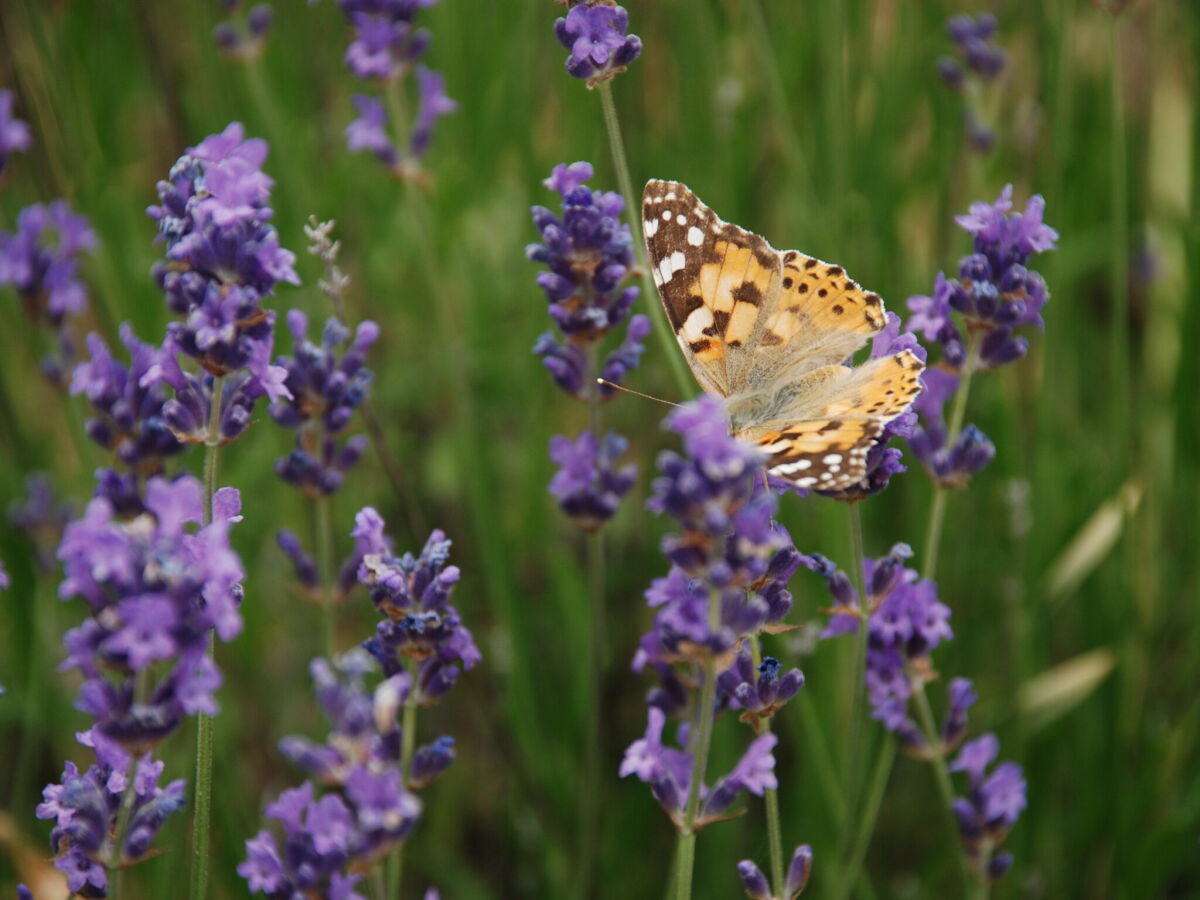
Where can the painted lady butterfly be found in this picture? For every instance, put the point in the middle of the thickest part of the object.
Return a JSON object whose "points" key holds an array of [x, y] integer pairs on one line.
{"points": [[772, 333]]}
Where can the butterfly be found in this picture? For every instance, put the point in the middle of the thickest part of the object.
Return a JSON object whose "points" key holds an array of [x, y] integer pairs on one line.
{"points": [[772, 332]]}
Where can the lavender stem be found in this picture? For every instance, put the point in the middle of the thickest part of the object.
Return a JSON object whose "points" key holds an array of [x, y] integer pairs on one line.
{"points": [[408, 738], [707, 714], [327, 570], [633, 209], [770, 795], [114, 856], [202, 810]]}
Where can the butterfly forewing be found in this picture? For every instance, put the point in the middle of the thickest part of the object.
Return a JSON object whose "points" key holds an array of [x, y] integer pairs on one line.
{"points": [[769, 331]]}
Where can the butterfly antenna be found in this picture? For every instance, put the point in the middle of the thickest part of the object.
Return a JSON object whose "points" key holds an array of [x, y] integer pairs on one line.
{"points": [[618, 387]]}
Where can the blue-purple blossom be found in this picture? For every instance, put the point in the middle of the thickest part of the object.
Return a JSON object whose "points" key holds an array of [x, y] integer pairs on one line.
{"points": [[949, 466], [4, 580], [156, 590], [799, 869], [128, 418], [85, 808], [14, 134], [979, 62], [325, 384], [594, 33], [303, 564], [432, 104], [995, 291], [40, 260], [992, 806], [419, 623], [589, 484], [244, 40], [668, 771], [223, 256], [759, 691]]}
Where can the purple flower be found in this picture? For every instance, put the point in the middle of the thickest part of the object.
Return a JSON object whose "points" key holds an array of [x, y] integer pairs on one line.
{"points": [[594, 32], [419, 623], [303, 564], [433, 104], [971, 452], [41, 517], [223, 256], [4, 580], [370, 131], [40, 260], [995, 291], [755, 882], [325, 383], [14, 134], [760, 691], [129, 418], [588, 485], [85, 808], [156, 590], [992, 806], [244, 41]]}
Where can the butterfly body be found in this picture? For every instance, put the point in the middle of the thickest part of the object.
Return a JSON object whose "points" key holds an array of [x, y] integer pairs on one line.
{"points": [[770, 332]]}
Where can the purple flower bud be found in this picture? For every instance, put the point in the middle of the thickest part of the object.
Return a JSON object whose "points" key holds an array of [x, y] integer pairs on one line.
{"points": [[430, 761], [754, 881], [595, 35], [799, 871], [14, 134]]}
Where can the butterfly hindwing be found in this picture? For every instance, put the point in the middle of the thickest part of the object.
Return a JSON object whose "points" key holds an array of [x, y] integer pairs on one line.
{"points": [[715, 280]]}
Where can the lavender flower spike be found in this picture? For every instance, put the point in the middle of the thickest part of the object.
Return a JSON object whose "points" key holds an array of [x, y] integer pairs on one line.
{"points": [[594, 32], [589, 485]]}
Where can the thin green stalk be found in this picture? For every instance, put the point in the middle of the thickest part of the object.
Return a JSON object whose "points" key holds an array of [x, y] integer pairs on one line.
{"points": [[408, 742], [326, 571], [115, 871], [707, 713], [33, 719], [202, 805], [633, 209], [770, 795], [813, 729], [1120, 235], [937, 510], [868, 817], [937, 760], [852, 707]]}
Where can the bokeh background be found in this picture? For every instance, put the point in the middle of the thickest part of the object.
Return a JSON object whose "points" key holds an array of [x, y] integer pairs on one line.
{"points": [[1070, 563]]}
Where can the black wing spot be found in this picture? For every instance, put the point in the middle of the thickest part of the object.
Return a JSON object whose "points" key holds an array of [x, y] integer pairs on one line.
{"points": [[789, 256], [833, 270], [811, 264], [787, 284], [822, 292], [829, 426], [747, 292], [803, 287], [837, 309]]}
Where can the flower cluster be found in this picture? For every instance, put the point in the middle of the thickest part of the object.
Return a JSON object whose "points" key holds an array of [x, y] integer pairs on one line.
{"points": [[14, 134], [156, 590], [594, 33], [420, 627], [40, 259], [223, 256], [323, 393], [87, 810], [368, 808], [980, 62], [730, 567], [992, 805], [244, 40], [386, 46], [588, 252], [994, 294], [129, 420]]}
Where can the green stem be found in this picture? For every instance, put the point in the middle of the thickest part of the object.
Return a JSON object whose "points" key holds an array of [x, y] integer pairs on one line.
{"points": [[937, 760], [818, 752], [202, 805], [868, 817], [770, 795], [326, 571], [700, 746], [115, 871], [408, 742], [937, 510], [34, 717], [1120, 237], [633, 209], [853, 707]]}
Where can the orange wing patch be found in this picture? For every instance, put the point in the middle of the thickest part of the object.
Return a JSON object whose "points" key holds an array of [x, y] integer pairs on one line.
{"points": [[818, 298]]}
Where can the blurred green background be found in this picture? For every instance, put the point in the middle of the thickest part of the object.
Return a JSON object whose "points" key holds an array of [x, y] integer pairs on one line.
{"points": [[1070, 564]]}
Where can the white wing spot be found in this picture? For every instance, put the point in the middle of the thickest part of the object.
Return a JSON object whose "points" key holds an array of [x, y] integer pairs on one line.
{"points": [[666, 215], [832, 459], [651, 227], [678, 261], [670, 195], [665, 271], [695, 236], [658, 279], [681, 219], [806, 482]]}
